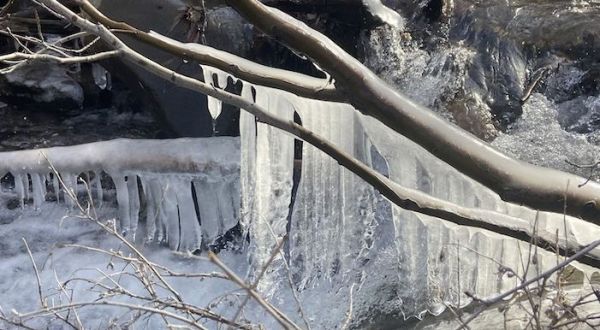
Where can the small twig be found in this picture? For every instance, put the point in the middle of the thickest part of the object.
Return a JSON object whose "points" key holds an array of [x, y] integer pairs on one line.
{"points": [[260, 275], [277, 315], [543, 275], [62, 60], [348, 319], [539, 74], [37, 274], [591, 167], [111, 303], [291, 281]]}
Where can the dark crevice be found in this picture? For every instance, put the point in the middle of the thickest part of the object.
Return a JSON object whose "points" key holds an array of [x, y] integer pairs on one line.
{"points": [[196, 206], [433, 10], [179, 224]]}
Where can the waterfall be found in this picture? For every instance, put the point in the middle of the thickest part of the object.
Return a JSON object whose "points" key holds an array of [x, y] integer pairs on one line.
{"points": [[343, 232]]}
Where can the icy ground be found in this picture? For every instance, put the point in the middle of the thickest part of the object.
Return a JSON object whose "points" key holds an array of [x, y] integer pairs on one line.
{"points": [[50, 231]]}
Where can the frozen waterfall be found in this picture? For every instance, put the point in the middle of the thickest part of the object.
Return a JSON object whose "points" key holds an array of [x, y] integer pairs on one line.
{"points": [[343, 233], [344, 237]]}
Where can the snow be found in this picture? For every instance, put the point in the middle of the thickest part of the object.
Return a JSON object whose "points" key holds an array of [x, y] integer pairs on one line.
{"points": [[384, 13]]}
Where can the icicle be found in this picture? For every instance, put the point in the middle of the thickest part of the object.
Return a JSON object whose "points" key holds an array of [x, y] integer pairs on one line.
{"points": [[171, 214], [158, 198], [20, 189], [123, 202], [247, 92], [26, 186], [56, 186], [221, 78], [134, 204], [38, 184], [98, 185], [152, 209], [230, 201], [214, 104], [209, 210], [190, 236], [70, 195]]}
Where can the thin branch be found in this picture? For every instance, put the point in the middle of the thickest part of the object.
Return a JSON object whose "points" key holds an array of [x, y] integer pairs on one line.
{"points": [[348, 319], [114, 233], [61, 60], [293, 82], [527, 283], [37, 274], [111, 303], [283, 320]]}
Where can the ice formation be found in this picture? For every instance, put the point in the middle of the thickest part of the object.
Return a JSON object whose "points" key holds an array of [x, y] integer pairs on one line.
{"points": [[184, 191], [342, 232], [384, 13]]}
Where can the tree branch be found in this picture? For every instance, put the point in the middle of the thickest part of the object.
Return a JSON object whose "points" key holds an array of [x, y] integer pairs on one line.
{"points": [[293, 82]]}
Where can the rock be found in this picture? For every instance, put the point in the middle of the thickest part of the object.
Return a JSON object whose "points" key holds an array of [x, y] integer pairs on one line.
{"points": [[41, 84]]}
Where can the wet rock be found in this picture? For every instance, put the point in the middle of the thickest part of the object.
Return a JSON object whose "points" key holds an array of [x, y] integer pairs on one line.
{"points": [[38, 84], [11, 204], [473, 115]]}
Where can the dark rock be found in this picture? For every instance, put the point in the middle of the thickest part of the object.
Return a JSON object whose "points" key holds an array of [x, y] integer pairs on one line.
{"points": [[41, 84], [185, 112], [12, 204]]}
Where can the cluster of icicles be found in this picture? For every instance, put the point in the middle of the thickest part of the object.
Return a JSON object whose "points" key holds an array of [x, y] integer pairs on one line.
{"points": [[342, 232], [183, 191]]}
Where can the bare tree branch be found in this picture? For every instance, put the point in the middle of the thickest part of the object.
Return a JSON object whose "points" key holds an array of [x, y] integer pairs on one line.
{"points": [[61, 60], [525, 284], [290, 81]]}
